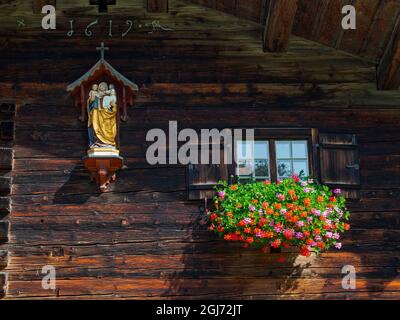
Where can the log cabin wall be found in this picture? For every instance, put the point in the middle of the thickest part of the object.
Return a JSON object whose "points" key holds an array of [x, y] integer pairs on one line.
{"points": [[143, 238]]}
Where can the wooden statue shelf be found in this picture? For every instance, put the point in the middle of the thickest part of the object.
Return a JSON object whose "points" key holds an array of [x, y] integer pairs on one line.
{"points": [[103, 95]]}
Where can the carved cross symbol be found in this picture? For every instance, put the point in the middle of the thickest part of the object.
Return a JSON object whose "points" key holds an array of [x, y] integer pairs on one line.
{"points": [[102, 49], [103, 4]]}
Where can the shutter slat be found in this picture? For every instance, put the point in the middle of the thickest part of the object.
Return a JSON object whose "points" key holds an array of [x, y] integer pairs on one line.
{"points": [[339, 162], [203, 178]]}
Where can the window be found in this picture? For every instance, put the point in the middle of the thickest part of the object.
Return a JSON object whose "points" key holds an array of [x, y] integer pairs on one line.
{"points": [[271, 159], [291, 157], [253, 160]]}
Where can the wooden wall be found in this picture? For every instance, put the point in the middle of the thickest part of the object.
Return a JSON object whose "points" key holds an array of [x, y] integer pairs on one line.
{"points": [[320, 21], [143, 239]]}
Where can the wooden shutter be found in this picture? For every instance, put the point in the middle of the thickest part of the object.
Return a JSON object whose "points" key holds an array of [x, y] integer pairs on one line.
{"points": [[339, 162], [202, 178]]}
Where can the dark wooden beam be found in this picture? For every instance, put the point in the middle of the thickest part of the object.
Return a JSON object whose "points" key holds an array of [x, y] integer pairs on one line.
{"points": [[3, 284], [280, 17], [157, 5], [4, 231], [37, 5], [389, 66], [6, 158], [4, 255]]}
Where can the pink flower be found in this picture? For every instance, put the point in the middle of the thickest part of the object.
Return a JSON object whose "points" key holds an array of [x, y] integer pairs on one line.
{"points": [[221, 194], [318, 238], [328, 235], [336, 236], [247, 220], [338, 245], [316, 212], [300, 223], [337, 191], [299, 235], [252, 208], [304, 183], [280, 197]]}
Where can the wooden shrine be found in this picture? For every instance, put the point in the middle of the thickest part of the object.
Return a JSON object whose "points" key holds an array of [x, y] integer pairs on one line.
{"points": [[103, 95]]}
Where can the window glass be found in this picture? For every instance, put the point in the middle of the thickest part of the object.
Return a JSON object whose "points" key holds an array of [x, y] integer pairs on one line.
{"points": [[244, 150], [299, 149], [283, 150], [261, 150], [284, 169], [299, 166], [253, 160], [291, 157], [261, 168]]}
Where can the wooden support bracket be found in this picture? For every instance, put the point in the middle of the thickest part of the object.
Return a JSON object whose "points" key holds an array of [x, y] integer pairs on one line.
{"points": [[103, 170]]}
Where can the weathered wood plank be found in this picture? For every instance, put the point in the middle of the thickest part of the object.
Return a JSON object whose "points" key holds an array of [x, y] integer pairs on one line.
{"points": [[279, 24], [6, 130], [3, 284], [4, 258], [389, 67], [157, 5], [5, 185], [4, 231], [5, 205], [223, 288], [6, 158], [377, 38]]}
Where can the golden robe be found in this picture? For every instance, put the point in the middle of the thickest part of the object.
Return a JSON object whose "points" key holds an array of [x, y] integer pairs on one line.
{"points": [[104, 124]]}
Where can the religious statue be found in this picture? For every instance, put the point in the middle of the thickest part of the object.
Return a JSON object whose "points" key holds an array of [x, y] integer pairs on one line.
{"points": [[101, 104], [102, 116]]}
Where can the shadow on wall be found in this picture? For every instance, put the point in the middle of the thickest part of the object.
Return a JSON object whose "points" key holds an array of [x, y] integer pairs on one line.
{"points": [[211, 268], [77, 189]]}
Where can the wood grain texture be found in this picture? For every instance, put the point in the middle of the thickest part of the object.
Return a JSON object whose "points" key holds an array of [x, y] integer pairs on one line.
{"points": [[278, 26], [157, 5], [389, 67], [3, 284]]}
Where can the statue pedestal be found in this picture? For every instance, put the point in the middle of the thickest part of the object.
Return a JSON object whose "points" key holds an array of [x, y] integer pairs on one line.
{"points": [[103, 166]]}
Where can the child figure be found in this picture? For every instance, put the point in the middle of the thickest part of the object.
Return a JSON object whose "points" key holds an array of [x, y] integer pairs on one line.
{"points": [[110, 99], [94, 93]]}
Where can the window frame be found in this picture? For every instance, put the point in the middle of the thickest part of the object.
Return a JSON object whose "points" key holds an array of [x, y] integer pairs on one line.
{"points": [[286, 134]]}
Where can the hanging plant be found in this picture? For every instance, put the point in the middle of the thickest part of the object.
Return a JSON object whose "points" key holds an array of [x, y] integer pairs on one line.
{"points": [[295, 212]]}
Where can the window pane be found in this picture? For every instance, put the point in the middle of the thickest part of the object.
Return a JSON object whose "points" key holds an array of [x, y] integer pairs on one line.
{"points": [[283, 150], [301, 165], [261, 150], [299, 149], [245, 168], [284, 169], [244, 150], [262, 168]]}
